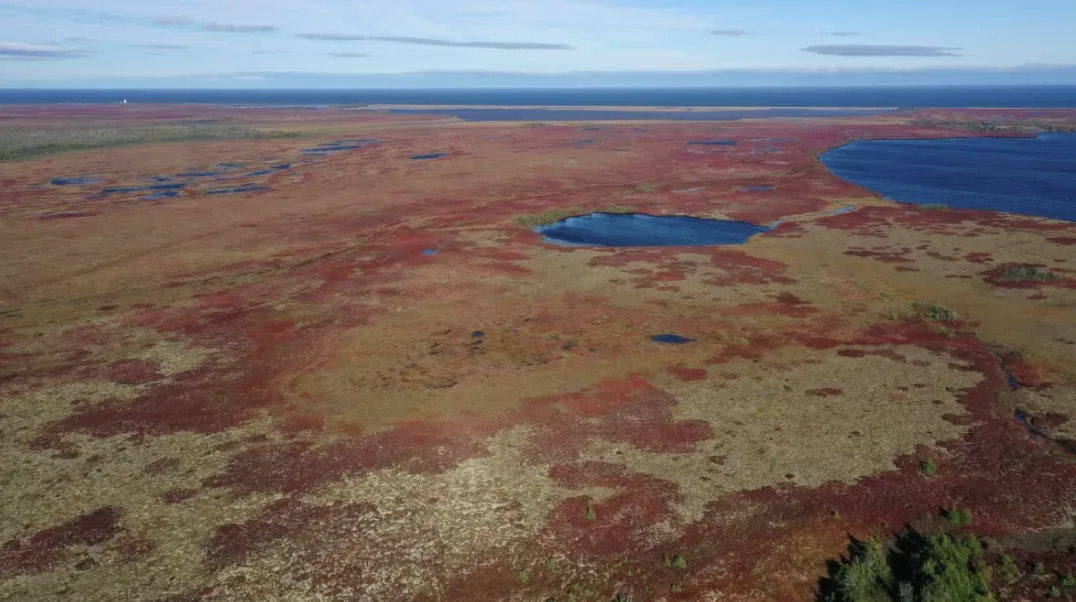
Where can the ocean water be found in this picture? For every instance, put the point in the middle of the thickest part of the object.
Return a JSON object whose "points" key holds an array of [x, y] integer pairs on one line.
{"points": [[906, 97], [1029, 176]]}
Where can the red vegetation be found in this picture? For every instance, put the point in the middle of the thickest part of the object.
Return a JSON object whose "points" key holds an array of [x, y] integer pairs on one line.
{"points": [[44, 549]]}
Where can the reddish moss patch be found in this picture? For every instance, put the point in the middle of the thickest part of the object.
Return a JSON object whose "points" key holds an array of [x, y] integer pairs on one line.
{"points": [[418, 447], [826, 392], [979, 258], [619, 525], [131, 549], [132, 372], [168, 409], [882, 254], [176, 496], [44, 549], [687, 374], [287, 518]]}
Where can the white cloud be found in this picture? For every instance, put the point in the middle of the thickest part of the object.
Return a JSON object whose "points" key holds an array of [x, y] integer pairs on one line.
{"points": [[15, 51]]}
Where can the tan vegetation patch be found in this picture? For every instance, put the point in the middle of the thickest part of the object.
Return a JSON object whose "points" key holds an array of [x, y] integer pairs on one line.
{"points": [[428, 362], [945, 273], [175, 357], [427, 528], [573, 272], [42, 488], [844, 419]]}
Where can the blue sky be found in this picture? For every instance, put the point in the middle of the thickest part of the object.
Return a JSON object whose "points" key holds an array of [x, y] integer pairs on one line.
{"points": [[124, 41]]}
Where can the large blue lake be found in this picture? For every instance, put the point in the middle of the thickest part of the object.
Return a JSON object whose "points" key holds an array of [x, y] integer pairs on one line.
{"points": [[1030, 176], [641, 230]]}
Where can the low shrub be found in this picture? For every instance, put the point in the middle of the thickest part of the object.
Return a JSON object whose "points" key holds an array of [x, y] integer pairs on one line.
{"points": [[934, 312]]}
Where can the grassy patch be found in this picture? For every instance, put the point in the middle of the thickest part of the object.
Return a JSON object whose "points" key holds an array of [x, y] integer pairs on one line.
{"points": [[934, 311], [647, 188], [555, 215], [19, 144], [676, 561], [919, 568], [1026, 273], [934, 206], [548, 217]]}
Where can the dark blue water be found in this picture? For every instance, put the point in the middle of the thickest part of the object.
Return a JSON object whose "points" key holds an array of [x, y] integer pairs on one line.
{"points": [[168, 194], [714, 142], [1029, 176], [126, 189], [671, 339], [75, 181], [251, 187], [1029, 96], [641, 230], [428, 157]]}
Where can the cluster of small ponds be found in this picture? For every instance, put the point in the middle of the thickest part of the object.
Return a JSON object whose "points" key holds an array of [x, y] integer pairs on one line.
{"points": [[219, 179]]}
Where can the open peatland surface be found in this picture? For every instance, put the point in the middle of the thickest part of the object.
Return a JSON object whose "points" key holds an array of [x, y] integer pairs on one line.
{"points": [[343, 366]]}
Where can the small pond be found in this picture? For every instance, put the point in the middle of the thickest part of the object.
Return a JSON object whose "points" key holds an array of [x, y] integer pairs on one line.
{"points": [[79, 181], [1030, 176], [248, 187], [641, 230]]}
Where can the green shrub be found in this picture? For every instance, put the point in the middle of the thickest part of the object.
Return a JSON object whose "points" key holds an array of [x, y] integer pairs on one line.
{"points": [[934, 311], [934, 206], [958, 518], [950, 569], [928, 467], [1010, 571], [921, 568], [865, 576], [1026, 273]]}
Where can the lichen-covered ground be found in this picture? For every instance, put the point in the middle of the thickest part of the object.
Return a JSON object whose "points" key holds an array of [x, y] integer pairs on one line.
{"points": [[369, 383]]}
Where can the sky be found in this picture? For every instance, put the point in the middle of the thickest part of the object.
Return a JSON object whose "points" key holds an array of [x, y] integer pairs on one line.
{"points": [[243, 42]]}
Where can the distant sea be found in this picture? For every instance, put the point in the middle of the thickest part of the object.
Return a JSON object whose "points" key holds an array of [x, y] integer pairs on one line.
{"points": [[1041, 97]]}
